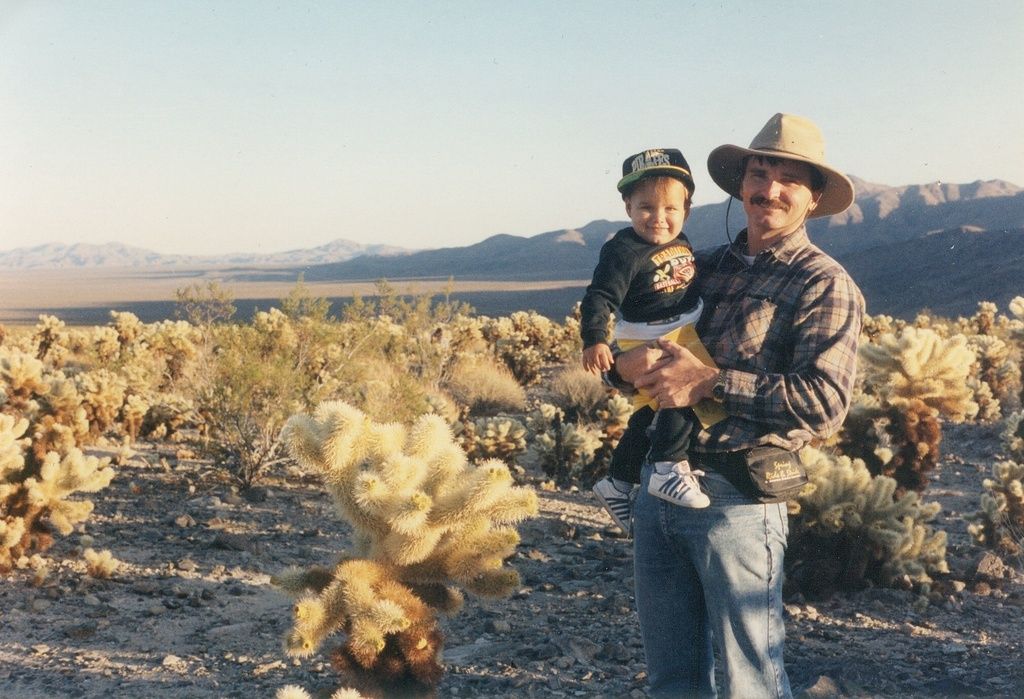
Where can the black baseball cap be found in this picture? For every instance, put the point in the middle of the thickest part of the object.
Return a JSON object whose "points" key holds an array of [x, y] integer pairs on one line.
{"points": [[654, 162]]}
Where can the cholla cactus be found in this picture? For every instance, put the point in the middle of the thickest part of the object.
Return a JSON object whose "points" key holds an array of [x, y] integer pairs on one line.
{"points": [[100, 564], [103, 394], [33, 494], [998, 368], [51, 337], [426, 523], [21, 379], [851, 529], [1013, 436], [911, 380], [499, 437], [999, 523], [525, 340], [128, 328], [918, 364], [876, 326], [563, 450]]}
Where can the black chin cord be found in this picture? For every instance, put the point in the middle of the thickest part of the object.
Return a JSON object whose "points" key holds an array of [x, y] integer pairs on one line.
{"points": [[728, 249]]}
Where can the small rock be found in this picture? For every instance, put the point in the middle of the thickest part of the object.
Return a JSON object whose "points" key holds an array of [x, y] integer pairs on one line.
{"points": [[145, 587], [185, 521], [186, 564], [498, 626], [823, 688], [958, 585], [41, 604], [255, 494], [81, 631], [171, 661], [91, 600], [954, 648], [156, 609], [234, 542], [40, 648], [990, 567]]}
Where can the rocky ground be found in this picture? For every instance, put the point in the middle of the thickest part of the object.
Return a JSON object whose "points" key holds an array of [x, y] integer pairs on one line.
{"points": [[191, 612]]}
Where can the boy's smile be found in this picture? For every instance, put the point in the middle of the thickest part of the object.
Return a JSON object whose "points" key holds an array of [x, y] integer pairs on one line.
{"points": [[657, 207]]}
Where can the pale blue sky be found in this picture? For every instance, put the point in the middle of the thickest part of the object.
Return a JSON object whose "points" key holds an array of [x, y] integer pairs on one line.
{"points": [[209, 127]]}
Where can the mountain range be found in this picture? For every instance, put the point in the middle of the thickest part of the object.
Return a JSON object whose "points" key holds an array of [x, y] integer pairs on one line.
{"points": [[82, 255], [937, 246]]}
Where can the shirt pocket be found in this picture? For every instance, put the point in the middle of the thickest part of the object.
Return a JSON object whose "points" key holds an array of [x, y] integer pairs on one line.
{"points": [[749, 331]]}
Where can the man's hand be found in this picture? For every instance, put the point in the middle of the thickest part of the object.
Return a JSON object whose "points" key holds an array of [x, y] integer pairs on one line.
{"points": [[678, 379], [636, 362], [598, 358]]}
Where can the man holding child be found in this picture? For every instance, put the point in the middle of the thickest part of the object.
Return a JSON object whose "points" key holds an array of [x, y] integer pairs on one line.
{"points": [[781, 321]]}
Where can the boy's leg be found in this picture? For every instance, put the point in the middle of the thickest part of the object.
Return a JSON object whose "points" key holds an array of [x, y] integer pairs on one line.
{"points": [[673, 479], [615, 493], [629, 454]]}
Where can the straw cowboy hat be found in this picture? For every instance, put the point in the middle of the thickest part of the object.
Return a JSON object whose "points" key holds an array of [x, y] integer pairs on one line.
{"points": [[793, 138]]}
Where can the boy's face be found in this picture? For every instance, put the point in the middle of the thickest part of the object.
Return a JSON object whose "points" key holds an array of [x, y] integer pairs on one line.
{"points": [[658, 207]]}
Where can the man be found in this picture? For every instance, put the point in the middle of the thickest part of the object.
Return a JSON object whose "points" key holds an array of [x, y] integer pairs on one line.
{"points": [[782, 322]]}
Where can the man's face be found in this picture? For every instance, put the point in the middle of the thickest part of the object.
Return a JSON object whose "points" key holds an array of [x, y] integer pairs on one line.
{"points": [[657, 208], [777, 198]]}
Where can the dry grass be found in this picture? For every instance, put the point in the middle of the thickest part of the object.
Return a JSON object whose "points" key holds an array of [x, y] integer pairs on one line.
{"points": [[486, 388]]}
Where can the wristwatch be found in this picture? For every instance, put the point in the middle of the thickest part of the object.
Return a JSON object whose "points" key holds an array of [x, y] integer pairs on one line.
{"points": [[718, 390]]}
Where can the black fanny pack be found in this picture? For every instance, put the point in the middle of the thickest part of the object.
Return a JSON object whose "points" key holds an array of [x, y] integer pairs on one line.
{"points": [[775, 473]]}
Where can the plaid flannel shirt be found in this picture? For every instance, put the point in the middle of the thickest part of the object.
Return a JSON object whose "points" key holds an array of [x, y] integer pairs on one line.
{"points": [[785, 331]]}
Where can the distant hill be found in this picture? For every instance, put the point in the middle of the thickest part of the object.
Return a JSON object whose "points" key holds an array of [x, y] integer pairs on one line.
{"points": [[83, 255], [938, 246]]}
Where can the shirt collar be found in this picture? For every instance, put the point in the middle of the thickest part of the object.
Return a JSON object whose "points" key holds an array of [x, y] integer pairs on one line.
{"points": [[783, 251]]}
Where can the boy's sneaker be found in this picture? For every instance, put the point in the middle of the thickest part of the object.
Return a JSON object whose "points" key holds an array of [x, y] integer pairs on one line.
{"points": [[678, 486], [618, 504]]}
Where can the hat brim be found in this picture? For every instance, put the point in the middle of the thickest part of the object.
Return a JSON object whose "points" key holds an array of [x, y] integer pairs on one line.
{"points": [[724, 165], [678, 173]]}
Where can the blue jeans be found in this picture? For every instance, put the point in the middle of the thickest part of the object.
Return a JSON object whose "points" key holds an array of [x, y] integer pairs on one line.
{"points": [[711, 575]]}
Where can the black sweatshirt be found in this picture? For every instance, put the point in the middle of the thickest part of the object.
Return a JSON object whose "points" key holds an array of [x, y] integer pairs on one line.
{"points": [[643, 282]]}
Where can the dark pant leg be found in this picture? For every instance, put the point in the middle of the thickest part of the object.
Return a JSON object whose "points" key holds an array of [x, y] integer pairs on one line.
{"points": [[672, 434], [629, 454]]}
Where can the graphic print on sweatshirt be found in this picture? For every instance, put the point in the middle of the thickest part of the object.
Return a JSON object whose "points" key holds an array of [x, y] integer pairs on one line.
{"points": [[674, 269]]}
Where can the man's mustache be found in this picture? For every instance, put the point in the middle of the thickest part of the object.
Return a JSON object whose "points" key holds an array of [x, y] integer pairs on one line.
{"points": [[767, 203]]}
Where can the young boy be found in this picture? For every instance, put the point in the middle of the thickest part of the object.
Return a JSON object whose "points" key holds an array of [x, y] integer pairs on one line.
{"points": [[645, 273]]}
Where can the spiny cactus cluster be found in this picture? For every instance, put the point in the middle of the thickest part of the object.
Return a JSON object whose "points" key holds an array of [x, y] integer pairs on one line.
{"points": [[34, 493], [426, 522], [525, 341], [910, 380], [574, 450], [501, 437], [852, 529], [999, 522]]}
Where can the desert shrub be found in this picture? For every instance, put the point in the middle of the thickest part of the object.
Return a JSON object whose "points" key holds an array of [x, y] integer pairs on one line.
{"points": [[426, 523], [245, 399], [485, 388], [578, 392], [852, 529]]}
